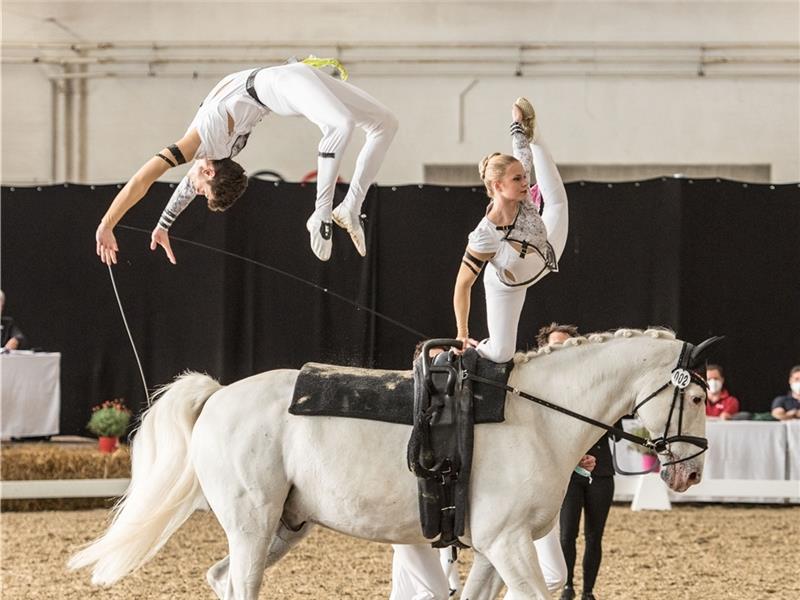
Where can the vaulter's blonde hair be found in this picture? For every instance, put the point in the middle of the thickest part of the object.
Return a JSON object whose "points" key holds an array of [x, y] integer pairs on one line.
{"points": [[493, 167]]}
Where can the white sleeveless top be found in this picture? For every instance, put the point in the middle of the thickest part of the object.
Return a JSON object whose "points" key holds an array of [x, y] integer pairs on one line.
{"points": [[229, 97], [522, 254]]}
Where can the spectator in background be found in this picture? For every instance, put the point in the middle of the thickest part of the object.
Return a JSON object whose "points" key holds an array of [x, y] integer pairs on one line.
{"points": [[591, 495], [12, 336], [788, 406], [720, 403]]}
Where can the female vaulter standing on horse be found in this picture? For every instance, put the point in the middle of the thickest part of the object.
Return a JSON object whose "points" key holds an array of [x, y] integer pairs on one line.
{"points": [[520, 241], [521, 237], [221, 128]]}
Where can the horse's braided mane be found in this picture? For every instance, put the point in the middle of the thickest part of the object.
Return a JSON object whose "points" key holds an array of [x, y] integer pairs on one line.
{"points": [[595, 338]]}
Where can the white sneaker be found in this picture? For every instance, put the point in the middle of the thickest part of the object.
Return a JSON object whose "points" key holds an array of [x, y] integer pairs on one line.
{"points": [[528, 117], [321, 236], [351, 222]]}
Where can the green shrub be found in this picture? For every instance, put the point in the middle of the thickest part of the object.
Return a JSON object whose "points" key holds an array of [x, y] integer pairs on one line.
{"points": [[110, 419]]}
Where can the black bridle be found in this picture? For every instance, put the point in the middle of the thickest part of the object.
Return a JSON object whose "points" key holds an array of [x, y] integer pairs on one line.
{"points": [[682, 375], [680, 378]]}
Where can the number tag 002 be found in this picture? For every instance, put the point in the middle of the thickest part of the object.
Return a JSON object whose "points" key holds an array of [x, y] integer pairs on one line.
{"points": [[681, 378]]}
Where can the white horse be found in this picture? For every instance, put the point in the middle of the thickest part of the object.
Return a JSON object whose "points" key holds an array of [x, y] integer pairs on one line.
{"points": [[268, 475]]}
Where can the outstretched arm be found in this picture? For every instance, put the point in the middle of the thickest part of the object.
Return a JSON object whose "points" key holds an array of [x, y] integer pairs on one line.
{"points": [[471, 266], [135, 190]]}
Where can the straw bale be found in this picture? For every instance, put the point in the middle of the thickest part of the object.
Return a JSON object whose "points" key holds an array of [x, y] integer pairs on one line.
{"points": [[47, 460], [50, 460]]}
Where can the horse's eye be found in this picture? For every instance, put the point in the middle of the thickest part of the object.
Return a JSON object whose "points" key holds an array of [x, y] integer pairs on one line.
{"points": [[696, 399]]}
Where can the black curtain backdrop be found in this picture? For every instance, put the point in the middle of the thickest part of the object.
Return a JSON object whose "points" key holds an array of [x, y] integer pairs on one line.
{"points": [[703, 257]]}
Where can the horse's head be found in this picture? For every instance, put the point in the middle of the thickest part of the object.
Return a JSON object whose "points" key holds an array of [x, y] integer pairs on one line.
{"points": [[673, 411]]}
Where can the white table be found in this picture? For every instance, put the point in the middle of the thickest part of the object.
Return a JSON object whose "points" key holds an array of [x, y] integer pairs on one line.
{"points": [[738, 450], [793, 443], [30, 394]]}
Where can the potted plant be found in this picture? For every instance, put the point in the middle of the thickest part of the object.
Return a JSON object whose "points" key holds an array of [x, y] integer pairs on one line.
{"points": [[109, 421], [650, 461]]}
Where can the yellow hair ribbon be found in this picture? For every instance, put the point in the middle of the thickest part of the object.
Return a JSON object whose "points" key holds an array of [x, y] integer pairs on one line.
{"points": [[318, 63]]}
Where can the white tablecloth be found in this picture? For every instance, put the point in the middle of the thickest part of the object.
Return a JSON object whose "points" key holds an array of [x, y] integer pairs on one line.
{"points": [[30, 392], [793, 443], [756, 450], [746, 450]]}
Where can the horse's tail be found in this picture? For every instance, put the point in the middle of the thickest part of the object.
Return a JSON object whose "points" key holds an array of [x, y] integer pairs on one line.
{"points": [[164, 489]]}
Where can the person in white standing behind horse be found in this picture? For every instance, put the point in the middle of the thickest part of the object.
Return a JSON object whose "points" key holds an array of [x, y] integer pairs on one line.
{"points": [[520, 240], [220, 130], [522, 237]]}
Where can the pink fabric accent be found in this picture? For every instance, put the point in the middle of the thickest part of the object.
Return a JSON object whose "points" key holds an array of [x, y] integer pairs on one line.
{"points": [[536, 196]]}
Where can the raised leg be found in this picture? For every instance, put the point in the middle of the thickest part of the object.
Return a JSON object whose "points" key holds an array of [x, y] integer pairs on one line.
{"points": [[380, 126], [556, 209]]}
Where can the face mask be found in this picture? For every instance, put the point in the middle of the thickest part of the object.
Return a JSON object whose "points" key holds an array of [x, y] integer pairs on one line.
{"points": [[714, 385], [795, 385]]}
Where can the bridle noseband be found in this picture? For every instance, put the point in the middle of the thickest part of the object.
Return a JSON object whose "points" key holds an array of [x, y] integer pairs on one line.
{"points": [[682, 376]]}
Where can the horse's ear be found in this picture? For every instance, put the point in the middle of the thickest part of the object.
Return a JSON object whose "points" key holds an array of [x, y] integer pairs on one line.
{"points": [[698, 351]]}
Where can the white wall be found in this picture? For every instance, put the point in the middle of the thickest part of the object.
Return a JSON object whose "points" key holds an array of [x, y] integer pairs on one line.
{"points": [[586, 119]]}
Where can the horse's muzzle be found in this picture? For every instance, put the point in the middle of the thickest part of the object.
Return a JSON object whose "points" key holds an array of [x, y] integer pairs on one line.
{"points": [[681, 476]]}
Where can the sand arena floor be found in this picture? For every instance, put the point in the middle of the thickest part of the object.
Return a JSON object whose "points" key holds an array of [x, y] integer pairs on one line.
{"points": [[692, 552]]}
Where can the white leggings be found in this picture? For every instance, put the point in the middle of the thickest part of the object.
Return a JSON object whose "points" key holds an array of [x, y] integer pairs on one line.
{"points": [[418, 574], [504, 303], [503, 308], [336, 107]]}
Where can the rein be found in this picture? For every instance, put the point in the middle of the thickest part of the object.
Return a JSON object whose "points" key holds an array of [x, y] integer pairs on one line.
{"points": [[654, 445], [680, 378]]}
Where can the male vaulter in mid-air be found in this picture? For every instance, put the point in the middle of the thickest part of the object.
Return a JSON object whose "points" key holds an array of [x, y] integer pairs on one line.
{"points": [[220, 130]]}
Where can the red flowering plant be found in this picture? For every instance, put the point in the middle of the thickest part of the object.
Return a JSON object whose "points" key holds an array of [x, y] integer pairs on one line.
{"points": [[110, 419]]}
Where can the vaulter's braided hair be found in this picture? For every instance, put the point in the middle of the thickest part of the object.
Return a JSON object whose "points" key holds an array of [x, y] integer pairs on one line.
{"points": [[493, 167]]}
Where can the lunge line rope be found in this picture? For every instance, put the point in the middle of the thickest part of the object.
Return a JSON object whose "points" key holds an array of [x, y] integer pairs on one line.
{"points": [[130, 337], [353, 303]]}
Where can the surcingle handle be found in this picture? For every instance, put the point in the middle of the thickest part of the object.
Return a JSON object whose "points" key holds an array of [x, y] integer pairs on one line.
{"points": [[428, 368]]}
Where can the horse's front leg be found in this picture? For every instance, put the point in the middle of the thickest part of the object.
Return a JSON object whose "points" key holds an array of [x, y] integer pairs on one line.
{"points": [[514, 557], [483, 582]]}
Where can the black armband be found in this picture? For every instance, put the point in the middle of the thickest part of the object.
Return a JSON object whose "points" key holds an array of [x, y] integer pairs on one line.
{"points": [[167, 219], [517, 127], [176, 152], [171, 163], [474, 264]]}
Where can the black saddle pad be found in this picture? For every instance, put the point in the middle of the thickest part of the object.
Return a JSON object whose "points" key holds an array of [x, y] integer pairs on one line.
{"points": [[388, 396]]}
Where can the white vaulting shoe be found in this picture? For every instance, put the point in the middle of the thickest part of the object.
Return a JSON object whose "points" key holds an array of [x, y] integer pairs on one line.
{"points": [[321, 236], [351, 223], [528, 117]]}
